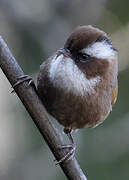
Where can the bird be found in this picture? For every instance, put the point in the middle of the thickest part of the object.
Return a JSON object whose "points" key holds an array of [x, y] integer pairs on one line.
{"points": [[78, 84]]}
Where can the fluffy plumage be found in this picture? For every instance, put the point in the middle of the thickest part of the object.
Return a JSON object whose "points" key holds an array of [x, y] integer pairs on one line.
{"points": [[78, 84]]}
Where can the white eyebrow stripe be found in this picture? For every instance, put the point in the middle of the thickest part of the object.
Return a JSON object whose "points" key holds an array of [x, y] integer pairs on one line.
{"points": [[99, 50]]}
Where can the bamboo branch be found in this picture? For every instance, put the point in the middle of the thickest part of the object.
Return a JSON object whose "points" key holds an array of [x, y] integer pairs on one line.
{"points": [[34, 106]]}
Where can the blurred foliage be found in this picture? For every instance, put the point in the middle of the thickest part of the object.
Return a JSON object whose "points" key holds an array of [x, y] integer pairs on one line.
{"points": [[32, 50], [120, 9], [33, 31]]}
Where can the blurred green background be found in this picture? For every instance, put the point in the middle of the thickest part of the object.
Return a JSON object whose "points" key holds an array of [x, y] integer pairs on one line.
{"points": [[33, 31]]}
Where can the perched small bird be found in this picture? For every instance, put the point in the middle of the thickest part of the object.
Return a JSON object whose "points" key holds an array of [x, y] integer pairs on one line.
{"points": [[78, 84]]}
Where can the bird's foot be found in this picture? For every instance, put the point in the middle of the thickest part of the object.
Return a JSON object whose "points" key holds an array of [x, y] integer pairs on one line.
{"points": [[71, 147], [22, 79], [69, 155]]}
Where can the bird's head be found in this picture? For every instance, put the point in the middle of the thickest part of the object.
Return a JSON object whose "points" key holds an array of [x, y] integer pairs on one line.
{"points": [[87, 55]]}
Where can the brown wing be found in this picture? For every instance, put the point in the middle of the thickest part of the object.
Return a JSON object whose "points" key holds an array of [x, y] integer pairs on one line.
{"points": [[114, 95]]}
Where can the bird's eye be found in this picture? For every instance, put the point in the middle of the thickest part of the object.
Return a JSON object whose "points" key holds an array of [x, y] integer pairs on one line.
{"points": [[83, 57]]}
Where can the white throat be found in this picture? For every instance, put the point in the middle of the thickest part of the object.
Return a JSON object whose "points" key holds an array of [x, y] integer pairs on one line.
{"points": [[65, 74]]}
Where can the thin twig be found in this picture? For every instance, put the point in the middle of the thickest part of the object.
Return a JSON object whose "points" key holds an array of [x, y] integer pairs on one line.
{"points": [[34, 106]]}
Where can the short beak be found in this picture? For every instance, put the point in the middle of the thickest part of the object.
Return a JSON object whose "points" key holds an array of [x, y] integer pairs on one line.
{"points": [[65, 52]]}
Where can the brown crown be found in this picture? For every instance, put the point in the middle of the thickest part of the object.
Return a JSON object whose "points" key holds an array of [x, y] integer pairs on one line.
{"points": [[83, 36]]}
